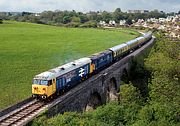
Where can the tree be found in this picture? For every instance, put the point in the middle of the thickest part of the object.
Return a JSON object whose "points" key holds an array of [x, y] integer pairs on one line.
{"points": [[118, 10], [178, 12], [83, 18], [26, 13], [66, 19], [117, 15], [75, 19], [47, 15], [92, 16], [89, 24], [129, 94], [1, 21], [106, 16], [129, 21], [4, 15], [164, 86], [58, 19]]}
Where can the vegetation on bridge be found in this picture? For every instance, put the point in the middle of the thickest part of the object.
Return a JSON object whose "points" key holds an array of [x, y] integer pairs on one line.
{"points": [[155, 102]]}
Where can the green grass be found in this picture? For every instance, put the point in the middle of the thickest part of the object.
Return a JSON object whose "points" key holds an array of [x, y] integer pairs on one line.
{"points": [[28, 49]]}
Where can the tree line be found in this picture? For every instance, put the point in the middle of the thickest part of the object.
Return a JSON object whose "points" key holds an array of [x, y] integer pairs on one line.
{"points": [[79, 19]]}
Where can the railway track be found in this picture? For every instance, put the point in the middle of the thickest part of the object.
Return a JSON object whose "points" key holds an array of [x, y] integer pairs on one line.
{"points": [[22, 115]]}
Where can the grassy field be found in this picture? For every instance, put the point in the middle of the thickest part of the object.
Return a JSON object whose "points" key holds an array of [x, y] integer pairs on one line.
{"points": [[28, 49]]}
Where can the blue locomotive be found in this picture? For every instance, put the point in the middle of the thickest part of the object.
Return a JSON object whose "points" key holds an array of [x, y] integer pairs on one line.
{"points": [[64, 77]]}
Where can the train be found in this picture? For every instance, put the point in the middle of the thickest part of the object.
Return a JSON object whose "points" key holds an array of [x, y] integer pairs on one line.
{"points": [[55, 81]]}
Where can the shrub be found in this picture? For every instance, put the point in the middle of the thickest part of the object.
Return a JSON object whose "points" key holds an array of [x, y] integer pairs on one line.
{"points": [[72, 24], [1, 21], [89, 24]]}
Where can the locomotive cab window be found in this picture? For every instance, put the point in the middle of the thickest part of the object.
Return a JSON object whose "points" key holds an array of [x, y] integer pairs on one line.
{"points": [[36, 81], [40, 82], [49, 82], [44, 82]]}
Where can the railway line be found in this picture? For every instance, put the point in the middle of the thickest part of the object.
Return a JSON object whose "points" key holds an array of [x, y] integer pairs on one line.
{"points": [[23, 114]]}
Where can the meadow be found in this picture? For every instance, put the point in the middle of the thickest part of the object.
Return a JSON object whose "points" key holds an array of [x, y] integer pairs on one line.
{"points": [[28, 49]]}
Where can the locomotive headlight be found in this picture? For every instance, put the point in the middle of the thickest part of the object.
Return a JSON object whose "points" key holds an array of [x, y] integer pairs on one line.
{"points": [[43, 96], [35, 88]]}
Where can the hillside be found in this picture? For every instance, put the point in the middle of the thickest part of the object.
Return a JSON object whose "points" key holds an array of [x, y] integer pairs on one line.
{"points": [[28, 49]]}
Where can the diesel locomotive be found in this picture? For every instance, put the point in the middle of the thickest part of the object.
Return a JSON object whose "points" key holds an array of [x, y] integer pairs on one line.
{"points": [[62, 78]]}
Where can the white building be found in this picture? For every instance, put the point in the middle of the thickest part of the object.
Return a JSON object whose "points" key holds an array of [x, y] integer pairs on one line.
{"points": [[154, 20], [122, 22], [161, 27], [140, 20], [37, 14], [162, 20], [102, 23], [113, 23]]}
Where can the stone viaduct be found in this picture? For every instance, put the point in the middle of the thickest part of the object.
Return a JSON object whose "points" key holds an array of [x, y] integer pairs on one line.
{"points": [[98, 89]]}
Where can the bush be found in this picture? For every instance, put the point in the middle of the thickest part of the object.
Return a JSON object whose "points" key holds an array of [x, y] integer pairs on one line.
{"points": [[1, 21], [72, 24], [130, 94], [89, 24]]}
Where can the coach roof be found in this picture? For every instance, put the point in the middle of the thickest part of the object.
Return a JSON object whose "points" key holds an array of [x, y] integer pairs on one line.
{"points": [[116, 48]]}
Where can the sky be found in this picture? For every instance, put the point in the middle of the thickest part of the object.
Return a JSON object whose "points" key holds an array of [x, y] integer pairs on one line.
{"points": [[88, 5]]}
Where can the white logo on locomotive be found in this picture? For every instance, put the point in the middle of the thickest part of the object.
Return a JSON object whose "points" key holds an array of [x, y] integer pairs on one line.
{"points": [[81, 72]]}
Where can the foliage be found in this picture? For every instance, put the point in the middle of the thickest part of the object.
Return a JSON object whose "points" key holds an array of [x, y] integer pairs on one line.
{"points": [[1, 21], [89, 24], [75, 19], [29, 49], [164, 87], [72, 24], [65, 17], [129, 94]]}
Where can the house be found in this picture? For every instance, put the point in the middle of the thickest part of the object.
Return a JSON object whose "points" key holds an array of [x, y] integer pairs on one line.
{"points": [[36, 14], [140, 20], [174, 35], [102, 23], [169, 18], [162, 20], [122, 22], [112, 23], [161, 27]]}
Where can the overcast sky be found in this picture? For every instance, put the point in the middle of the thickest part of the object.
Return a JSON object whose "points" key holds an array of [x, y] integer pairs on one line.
{"points": [[87, 5]]}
